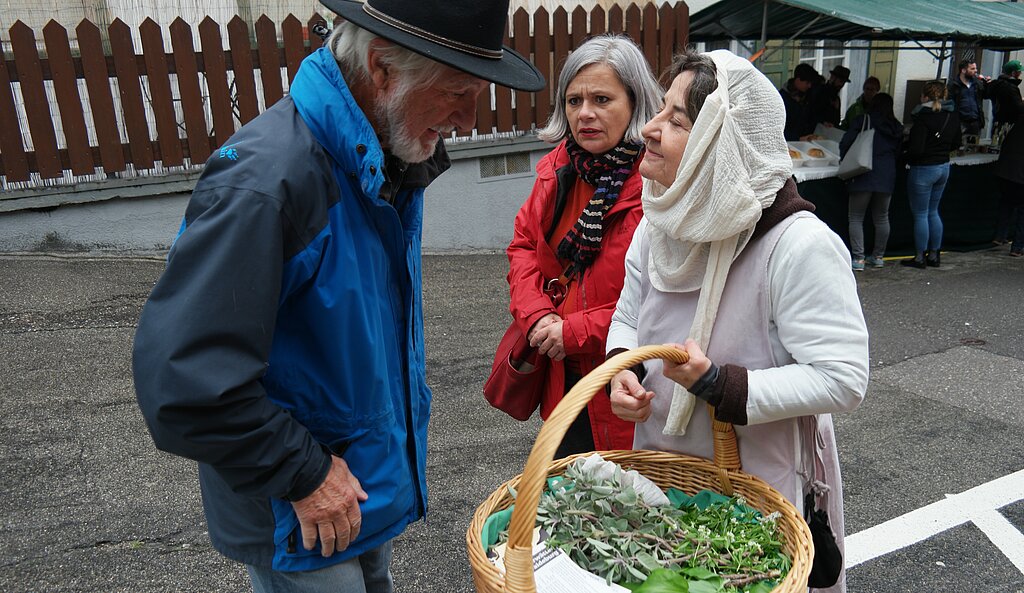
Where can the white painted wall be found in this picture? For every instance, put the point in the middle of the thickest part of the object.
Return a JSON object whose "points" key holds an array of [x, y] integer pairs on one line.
{"points": [[462, 212]]}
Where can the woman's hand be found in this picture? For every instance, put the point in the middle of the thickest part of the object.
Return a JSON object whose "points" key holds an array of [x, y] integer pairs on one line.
{"points": [[630, 401], [687, 374], [541, 324], [548, 340]]}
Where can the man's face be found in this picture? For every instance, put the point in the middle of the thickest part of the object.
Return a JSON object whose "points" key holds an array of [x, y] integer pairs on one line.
{"points": [[1015, 74], [970, 71], [801, 85], [836, 82], [412, 120]]}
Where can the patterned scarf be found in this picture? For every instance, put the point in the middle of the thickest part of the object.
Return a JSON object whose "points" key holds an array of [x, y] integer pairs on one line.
{"points": [[607, 172]]}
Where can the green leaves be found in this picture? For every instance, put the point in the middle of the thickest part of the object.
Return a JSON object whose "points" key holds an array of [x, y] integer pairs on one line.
{"points": [[711, 544]]}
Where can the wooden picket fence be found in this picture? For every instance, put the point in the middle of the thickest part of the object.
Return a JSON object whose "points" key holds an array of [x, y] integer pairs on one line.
{"points": [[157, 110]]}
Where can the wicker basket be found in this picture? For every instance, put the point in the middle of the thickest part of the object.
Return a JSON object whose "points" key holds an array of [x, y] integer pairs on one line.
{"points": [[689, 474]]}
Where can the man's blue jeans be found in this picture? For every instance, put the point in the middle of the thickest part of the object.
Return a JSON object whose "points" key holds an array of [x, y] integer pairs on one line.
{"points": [[925, 184], [369, 573]]}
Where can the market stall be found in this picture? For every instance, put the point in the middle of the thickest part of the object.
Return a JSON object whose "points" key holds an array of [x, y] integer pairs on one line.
{"points": [[968, 207]]}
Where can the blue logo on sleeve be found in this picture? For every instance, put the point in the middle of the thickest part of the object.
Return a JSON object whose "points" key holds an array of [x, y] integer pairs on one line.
{"points": [[229, 152]]}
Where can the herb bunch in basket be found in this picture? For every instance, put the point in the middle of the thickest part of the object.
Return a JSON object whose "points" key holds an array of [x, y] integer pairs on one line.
{"points": [[607, 528]]}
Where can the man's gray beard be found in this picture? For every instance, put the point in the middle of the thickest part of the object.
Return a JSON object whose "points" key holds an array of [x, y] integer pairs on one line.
{"points": [[400, 141]]}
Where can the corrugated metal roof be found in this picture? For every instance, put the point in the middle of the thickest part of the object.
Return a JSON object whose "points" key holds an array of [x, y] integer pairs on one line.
{"points": [[993, 24]]}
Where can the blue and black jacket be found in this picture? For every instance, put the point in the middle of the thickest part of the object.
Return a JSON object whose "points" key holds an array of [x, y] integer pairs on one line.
{"points": [[288, 325]]}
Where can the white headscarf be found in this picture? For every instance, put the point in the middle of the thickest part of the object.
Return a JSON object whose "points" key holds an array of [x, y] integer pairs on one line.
{"points": [[735, 161]]}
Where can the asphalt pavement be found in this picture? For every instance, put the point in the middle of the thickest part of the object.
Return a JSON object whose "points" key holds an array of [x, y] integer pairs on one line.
{"points": [[89, 505]]}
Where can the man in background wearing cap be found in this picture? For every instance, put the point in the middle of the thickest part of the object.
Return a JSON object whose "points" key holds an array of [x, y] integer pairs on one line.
{"points": [[1005, 94], [967, 91], [825, 103], [282, 348]]}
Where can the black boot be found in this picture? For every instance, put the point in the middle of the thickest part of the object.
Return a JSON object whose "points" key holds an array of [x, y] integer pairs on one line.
{"points": [[931, 258], [915, 262]]}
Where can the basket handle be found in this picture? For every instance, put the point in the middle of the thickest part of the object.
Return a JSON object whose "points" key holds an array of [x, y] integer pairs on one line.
{"points": [[519, 554]]}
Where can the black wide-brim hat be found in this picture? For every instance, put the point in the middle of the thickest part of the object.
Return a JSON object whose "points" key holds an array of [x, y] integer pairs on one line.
{"points": [[464, 34]]}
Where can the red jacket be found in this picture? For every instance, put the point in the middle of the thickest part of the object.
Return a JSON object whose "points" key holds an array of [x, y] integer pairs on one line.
{"points": [[532, 263]]}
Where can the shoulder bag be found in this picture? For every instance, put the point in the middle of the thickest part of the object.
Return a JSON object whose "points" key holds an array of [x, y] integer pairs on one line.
{"points": [[860, 158], [519, 373]]}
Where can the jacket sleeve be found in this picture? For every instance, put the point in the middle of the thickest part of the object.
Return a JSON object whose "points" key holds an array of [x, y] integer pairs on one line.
{"points": [[586, 331], [916, 142], [528, 302], [203, 342], [818, 319]]}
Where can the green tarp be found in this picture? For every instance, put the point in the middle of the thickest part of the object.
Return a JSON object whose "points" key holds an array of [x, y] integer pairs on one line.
{"points": [[989, 24]]}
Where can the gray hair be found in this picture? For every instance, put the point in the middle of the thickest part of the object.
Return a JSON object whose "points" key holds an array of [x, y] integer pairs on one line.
{"points": [[705, 78], [350, 44], [628, 63]]}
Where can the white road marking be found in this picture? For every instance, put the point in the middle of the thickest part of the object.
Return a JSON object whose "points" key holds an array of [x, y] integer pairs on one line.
{"points": [[977, 504], [1004, 535]]}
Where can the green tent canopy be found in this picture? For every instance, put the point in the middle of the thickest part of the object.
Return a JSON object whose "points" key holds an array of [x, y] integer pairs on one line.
{"points": [[995, 25]]}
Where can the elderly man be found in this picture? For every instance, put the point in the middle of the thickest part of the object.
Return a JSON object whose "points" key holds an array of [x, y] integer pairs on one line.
{"points": [[282, 348]]}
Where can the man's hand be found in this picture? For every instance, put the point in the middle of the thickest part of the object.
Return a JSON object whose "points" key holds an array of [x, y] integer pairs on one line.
{"points": [[630, 401], [332, 510]]}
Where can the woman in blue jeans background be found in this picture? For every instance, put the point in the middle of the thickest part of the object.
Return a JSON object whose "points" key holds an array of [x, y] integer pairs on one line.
{"points": [[934, 134]]}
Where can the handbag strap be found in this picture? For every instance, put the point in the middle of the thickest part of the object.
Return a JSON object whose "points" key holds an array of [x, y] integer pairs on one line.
{"points": [[557, 288], [943, 128]]}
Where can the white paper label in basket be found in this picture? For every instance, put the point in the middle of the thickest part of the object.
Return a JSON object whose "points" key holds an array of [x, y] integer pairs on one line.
{"points": [[555, 572]]}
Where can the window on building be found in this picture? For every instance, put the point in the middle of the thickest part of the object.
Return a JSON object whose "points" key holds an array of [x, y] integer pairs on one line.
{"points": [[824, 56], [504, 164]]}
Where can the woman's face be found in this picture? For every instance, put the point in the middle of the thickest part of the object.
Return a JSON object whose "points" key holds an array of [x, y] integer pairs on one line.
{"points": [[666, 135], [598, 108]]}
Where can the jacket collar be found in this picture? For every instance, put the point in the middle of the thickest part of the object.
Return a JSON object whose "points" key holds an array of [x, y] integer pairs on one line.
{"points": [[326, 104], [787, 202]]}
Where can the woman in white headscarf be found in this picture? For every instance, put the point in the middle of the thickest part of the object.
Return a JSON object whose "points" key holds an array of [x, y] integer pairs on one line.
{"points": [[730, 265]]}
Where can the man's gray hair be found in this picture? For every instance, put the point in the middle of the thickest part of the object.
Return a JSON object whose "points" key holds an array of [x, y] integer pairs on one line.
{"points": [[350, 43], [628, 62]]}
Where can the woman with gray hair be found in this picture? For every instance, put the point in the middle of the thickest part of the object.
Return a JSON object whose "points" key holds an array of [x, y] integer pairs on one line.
{"points": [[730, 266], [576, 224]]}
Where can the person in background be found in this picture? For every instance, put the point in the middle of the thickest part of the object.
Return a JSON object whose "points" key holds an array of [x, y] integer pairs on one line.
{"points": [[1010, 171], [1006, 102], [825, 102], [934, 134], [796, 96], [729, 255], [873, 189], [1005, 95], [282, 348], [967, 90], [871, 87], [577, 223]]}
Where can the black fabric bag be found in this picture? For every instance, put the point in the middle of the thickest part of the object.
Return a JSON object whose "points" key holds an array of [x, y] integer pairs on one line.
{"points": [[828, 560]]}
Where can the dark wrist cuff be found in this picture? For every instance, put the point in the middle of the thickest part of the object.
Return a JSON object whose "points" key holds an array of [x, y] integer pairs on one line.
{"points": [[704, 386]]}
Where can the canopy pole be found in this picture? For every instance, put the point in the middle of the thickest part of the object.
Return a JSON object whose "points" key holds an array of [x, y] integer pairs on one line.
{"points": [[764, 34], [764, 24], [795, 35], [942, 58]]}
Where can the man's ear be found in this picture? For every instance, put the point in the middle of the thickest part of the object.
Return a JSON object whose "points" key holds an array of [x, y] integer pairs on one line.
{"points": [[380, 72]]}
